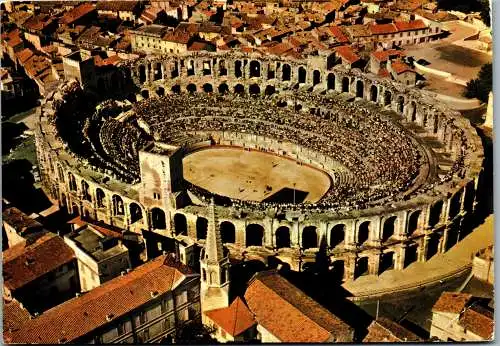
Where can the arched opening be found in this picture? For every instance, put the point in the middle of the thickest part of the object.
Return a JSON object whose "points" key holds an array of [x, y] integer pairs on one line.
{"points": [[145, 94], [413, 111], [142, 74], [269, 90], [309, 237], [360, 89], [86, 191], [254, 89], [411, 255], [176, 89], [64, 201], [282, 237], [387, 262], [345, 85], [389, 228], [190, 68], [207, 68], [400, 104], [158, 218], [60, 174], [208, 88], [413, 222], [432, 247], [454, 205], [72, 182], [222, 68], [237, 69], [316, 77], [180, 224], [101, 198], [373, 93], [330, 60], [387, 98], [286, 72], [330, 84], [435, 213], [191, 88], [254, 69], [361, 267], [201, 228], [75, 210], [239, 89], [363, 232], [160, 92], [135, 212], [227, 232], [157, 72], [254, 235], [174, 71], [223, 88], [337, 235], [118, 209], [86, 214], [338, 270], [469, 197], [302, 75]]}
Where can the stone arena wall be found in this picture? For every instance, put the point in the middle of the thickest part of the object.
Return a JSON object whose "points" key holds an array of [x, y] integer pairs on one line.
{"points": [[356, 241]]}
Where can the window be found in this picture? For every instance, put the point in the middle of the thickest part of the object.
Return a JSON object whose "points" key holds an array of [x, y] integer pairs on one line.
{"points": [[167, 305], [153, 312], [181, 298], [182, 315], [110, 335]]}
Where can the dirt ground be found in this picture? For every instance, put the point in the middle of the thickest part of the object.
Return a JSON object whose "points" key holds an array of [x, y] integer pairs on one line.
{"points": [[245, 175]]}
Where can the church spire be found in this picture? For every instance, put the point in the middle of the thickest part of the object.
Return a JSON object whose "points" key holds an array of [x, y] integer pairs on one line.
{"points": [[213, 246]]}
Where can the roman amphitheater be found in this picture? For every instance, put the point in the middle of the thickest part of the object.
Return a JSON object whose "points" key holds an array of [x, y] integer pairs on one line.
{"points": [[299, 156]]}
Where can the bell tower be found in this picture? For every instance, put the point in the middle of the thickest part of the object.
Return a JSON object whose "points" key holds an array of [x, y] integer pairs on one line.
{"points": [[214, 267]]}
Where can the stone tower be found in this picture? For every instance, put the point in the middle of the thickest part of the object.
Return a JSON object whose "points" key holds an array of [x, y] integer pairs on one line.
{"points": [[214, 266]]}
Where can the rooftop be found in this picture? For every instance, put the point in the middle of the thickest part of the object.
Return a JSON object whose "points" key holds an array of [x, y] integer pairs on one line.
{"points": [[76, 13], [235, 319], [385, 330], [451, 302], [18, 220]]}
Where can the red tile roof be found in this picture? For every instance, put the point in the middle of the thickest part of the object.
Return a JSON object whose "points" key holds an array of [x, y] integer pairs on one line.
{"points": [[382, 29], [411, 25], [235, 319], [76, 13], [289, 314], [385, 330], [400, 67], [14, 217], [339, 34], [14, 316], [451, 302], [347, 53], [23, 264], [177, 36], [81, 315], [383, 55], [479, 321]]}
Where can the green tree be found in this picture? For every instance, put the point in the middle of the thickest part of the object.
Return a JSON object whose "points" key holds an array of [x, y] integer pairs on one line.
{"points": [[481, 86]]}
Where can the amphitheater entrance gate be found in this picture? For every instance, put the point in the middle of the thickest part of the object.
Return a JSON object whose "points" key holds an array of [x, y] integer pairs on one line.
{"points": [[309, 237], [227, 232], [254, 235], [223, 88], [282, 237], [337, 235]]}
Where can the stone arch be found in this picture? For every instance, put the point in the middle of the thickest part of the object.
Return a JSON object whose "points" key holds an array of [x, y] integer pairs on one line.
{"points": [[238, 73], [142, 74], [227, 232], [455, 204], [337, 235], [316, 77], [338, 270], [364, 232], [400, 104], [270, 89], [174, 71], [75, 210], [286, 72], [362, 267], [302, 75], [239, 89], [254, 68], [309, 237], [387, 97], [176, 89], [373, 93], [158, 220], [160, 91], [223, 88], [254, 89], [60, 173], [283, 237], [222, 68], [206, 68], [413, 222], [411, 255], [135, 212], [207, 87], [72, 182], [190, 68], [432, 246], [191, 88], [201, 228], [86, 191], [435, 213], [100, 197], [145, 93], [330, 82], [157, 72], [360, 86], [469, 196], [389, 228], [387, 261], [118, 208], [412, 111], [64, 201], [254, 235], [345, 84], [180, 224]]}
